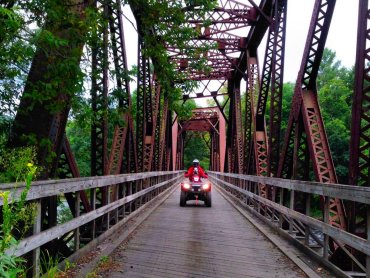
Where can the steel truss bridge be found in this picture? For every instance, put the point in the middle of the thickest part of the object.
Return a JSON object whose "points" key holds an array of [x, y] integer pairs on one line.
{"points": [[265, 173]]}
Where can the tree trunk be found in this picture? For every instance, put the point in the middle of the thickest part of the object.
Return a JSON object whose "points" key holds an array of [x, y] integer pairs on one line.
{"points": [[53, 80]]}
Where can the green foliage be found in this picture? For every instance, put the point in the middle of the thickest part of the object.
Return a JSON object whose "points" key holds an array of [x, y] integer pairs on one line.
{"points": [[288, 90], [165, 21], [17, 216], [79, 132], [15, 56], [64, 212], [49, 264], [196, 148], [335, 84], [104, 259], [14, 164], [184, 110]]}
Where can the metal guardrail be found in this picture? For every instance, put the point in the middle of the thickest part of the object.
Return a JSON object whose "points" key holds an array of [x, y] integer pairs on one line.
{"points": [[126, 193], [313, 235]]}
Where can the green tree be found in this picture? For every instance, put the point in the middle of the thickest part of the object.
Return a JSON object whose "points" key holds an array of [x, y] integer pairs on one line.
{"points": [[336, 112], [196, 148], [335, 84]]}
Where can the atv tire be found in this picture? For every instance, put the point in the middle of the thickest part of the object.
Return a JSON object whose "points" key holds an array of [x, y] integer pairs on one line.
{"points": [[208, 201], [182, 199]]}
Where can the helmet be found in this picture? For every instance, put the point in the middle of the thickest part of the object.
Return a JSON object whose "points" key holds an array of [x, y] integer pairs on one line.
{"points": [[196, 162]]}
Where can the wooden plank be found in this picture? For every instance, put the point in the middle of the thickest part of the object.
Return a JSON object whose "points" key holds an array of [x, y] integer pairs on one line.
{"points": [[354, 241], [38, 240], [196, 241], [344, 192], [36, 253], [41, 189]]}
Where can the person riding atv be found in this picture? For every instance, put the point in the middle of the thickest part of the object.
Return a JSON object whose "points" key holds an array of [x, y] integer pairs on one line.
{"points": [[195, 169], [196, 189]]}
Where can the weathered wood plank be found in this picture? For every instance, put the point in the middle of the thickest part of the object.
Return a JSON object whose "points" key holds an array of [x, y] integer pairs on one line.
{"points": [[349, 239], [38, 240], [196, 241], [344, 192], [41, 189]]}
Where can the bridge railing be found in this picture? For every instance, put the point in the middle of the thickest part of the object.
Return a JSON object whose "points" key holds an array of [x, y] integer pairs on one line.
{"points": [[124, 194], [288, 210]]}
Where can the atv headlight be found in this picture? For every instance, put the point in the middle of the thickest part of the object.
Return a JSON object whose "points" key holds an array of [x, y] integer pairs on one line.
{"points": [[206, 186], [186, 186]]}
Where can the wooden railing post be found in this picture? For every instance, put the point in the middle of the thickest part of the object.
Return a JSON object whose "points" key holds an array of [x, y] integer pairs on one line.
{"points": [[93, 207], [124, 187], [116, 197], [108, 202], [77, 213], [308, 212], [36, 230], [291, 205], [326, 220], [281, 202], [130, 193]]}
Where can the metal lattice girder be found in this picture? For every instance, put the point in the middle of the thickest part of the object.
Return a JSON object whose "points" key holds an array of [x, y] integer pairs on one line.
{"points": [[278, 35], [258, 124], [234, 143], [207, 88], [129, 161], [180, 151], [238, 139], [229, 12], [123, 130], [118, 145], [248, 142], [99, 96], [215, 151], [301, 154], [228, 17], [163, 121], [119, 54], [155, 149], [272, 77], [359, 173], [208, 120], [144, 121], [202, 119], [305, 105], [168, 156]]}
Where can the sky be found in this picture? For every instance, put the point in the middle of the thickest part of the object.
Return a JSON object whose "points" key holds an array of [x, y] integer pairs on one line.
{"points": [[342, 35], [341, 38]]}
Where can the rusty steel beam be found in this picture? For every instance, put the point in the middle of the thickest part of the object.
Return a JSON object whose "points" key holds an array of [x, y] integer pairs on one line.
{"points": [[144, 115], [305, 105], [155, 149], [234, 145], [278, 35], [359, 164], [162, 136], [67, 168], [259, 136], [207, 120], [118, 151], [359, 173], [99, 98]]}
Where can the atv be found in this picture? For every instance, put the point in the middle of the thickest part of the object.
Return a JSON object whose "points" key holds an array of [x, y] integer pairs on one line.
{"points": [[196, 190]]}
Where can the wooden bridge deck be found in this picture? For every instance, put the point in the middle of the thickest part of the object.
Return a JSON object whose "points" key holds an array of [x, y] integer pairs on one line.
{"points": [[196, 241]]}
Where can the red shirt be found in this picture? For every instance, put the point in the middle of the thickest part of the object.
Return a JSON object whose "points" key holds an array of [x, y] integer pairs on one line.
{"points": [[190, 173]]}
